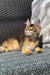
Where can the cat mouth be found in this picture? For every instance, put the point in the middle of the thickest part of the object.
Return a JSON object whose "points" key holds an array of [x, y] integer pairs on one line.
{"points": [[29, 34]]}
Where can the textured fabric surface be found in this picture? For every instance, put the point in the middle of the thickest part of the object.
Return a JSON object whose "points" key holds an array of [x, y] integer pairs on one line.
{"points": [[13, 14], [41, 10], [14, 8], [16, 63]]}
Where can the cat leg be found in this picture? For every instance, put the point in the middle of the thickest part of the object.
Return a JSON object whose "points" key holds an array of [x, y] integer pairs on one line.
{"points": [[26, 51], [6, 50], [38, 49], [1, 49]]}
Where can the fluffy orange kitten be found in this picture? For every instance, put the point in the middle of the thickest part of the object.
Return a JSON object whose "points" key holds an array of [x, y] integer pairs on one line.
{"points": [[26, 43]]}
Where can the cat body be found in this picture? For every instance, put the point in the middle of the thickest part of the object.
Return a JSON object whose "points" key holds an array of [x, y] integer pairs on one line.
{"points": [[27, 42]]}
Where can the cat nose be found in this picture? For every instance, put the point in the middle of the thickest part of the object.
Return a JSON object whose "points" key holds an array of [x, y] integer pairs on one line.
{"points": [[29, 30]]}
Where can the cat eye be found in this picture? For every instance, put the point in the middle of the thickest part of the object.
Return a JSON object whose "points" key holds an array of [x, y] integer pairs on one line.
{"points": [[35, 30], [31, 25]]}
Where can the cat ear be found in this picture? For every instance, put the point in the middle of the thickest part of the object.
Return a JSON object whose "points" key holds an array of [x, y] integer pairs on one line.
{"points": [[28, 23], [37, 23]]}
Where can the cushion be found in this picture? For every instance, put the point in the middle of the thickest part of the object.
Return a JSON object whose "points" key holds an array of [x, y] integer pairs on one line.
{"points": [[41, 10], [16, 63]]}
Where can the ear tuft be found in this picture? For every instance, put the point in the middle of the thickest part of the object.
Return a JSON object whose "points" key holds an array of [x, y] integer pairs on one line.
{"points": [[38, 23], [28, 22]]}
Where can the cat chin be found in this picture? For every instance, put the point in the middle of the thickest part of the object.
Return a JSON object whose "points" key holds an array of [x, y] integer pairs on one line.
{"points": [[29, 34]]}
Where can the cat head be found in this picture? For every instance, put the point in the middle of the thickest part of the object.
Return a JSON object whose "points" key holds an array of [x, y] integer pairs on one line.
{"points": [[32, 29]]}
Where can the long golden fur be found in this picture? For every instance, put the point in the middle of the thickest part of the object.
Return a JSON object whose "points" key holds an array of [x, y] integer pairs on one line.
{"points": [[26, 43]]}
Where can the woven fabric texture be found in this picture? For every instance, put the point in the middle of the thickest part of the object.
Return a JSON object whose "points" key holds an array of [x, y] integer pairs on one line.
{"points": [[16, 63], [13, 14]]}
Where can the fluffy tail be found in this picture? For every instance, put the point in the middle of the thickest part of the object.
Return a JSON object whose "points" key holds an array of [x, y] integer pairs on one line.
{"points": [[1, 49]]}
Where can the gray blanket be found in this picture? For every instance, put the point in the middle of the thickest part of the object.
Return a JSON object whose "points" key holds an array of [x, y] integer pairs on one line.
{"points": [[16, 63]]}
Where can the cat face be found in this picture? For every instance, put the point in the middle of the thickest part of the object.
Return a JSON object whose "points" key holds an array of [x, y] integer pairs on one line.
{"points": [[32, 29]]}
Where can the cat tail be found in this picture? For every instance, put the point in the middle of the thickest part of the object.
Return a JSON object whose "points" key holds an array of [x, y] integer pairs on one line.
{"points": [[1, 49]]}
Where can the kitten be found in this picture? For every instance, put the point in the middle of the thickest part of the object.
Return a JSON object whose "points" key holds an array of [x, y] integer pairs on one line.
{"points": [[26, 43]]}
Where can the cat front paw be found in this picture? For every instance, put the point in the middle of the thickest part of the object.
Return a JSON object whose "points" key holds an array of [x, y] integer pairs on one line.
{"points": [[26, 51], [39, 50], [1, 49]]}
